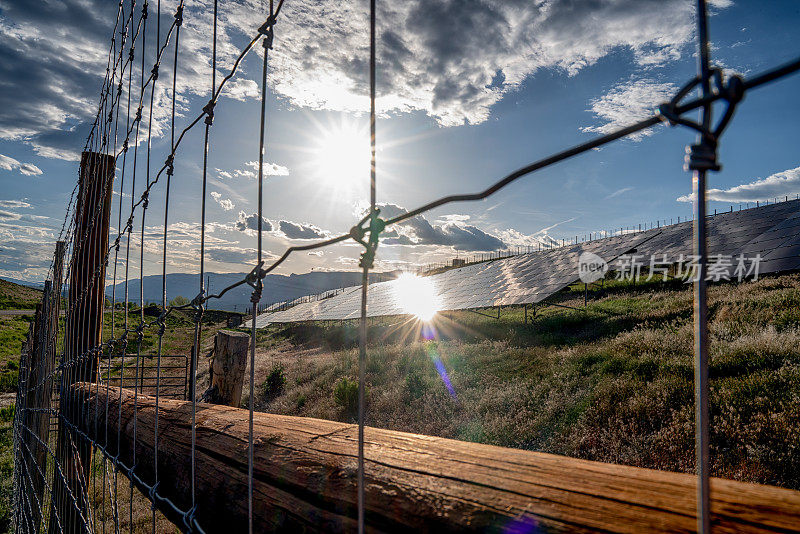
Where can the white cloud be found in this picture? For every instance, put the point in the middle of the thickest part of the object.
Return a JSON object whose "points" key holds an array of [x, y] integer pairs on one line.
{"points": [[515, 238], [454, 72], [627, 103], [250, 170], [15, 204], [618, 192], [225, 203], [10, 164], [778, 185]]}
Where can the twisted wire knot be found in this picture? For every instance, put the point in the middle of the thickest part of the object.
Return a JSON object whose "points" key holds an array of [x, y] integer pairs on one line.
{"points": [[179, 15], [208, 109], [189, 518], [197, 302], [376, 226], [702, 156]]}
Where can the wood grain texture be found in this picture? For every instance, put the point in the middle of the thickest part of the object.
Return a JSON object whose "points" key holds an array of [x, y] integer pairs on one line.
{"points": [[226, 370], [83, 330], [305, 478]]}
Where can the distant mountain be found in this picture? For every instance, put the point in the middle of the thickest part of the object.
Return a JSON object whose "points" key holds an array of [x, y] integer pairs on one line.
{"points": [[277, 287]]}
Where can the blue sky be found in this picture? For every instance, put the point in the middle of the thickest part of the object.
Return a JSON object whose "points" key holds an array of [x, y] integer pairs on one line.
{"points": [[469, 91]]}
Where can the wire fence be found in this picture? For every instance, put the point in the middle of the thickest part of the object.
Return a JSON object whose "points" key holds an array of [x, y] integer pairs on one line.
{"points": [[74, 469]]}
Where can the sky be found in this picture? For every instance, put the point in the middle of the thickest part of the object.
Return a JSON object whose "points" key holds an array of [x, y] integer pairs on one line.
{"points": [[468, 91]]}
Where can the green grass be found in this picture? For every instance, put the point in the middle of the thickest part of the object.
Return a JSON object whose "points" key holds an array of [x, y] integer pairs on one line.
{"points": [[178, 338], [13, 331], [612, 383], [16, 297], [6, 467]]}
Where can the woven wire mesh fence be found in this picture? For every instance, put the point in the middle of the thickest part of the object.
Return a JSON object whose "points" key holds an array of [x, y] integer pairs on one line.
{"points": [[94, 378]]}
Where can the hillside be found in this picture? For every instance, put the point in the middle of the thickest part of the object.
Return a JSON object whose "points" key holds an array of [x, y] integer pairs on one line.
{"points": [[14, 296], [277, 287], [613, 383], [13, 329]]}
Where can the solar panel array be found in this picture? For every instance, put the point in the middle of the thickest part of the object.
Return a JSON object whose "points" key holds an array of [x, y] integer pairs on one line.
{"points": [[772, 231], [524, 279]]}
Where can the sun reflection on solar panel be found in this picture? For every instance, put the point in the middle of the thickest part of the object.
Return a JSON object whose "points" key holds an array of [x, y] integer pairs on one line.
{"points": [[417, 296]]}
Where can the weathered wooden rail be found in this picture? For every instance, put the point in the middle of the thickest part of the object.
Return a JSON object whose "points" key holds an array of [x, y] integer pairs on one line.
{"points": [[305, 478]]}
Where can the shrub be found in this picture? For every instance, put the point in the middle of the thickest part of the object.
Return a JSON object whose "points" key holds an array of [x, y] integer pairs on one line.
{"points": [[179, 301], [275, 382], [346, 395]]}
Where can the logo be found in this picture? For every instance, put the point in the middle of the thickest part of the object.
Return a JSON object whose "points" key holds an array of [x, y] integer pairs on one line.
{"points": [[591, 267]]}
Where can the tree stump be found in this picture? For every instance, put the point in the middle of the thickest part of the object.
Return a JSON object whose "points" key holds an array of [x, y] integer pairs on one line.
{"points": [[226, 370]]}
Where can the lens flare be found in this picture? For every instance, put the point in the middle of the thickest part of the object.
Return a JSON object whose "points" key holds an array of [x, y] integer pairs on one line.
{"points": [[417, 296], [433, 354]]}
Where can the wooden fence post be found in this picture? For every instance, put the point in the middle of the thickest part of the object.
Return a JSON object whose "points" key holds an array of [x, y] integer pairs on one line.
{"points": [[31, 509], [226, 370], [37, 402], [82, 334], [42, 367]]}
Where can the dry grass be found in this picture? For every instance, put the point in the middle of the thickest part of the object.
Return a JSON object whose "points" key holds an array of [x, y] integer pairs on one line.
{"points": [[613, 383], [117, 507]]}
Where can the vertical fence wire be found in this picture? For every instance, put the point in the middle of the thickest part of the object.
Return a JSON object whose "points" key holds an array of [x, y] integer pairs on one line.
{"points": [[366, 262], [704, 143]]}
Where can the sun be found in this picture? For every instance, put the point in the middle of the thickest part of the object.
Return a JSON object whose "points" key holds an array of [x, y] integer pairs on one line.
{"points": [[417, 296], [341, 156]]}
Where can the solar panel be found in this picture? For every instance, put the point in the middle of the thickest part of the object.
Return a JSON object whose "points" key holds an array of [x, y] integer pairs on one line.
{"points": [[524, 279], [772, 231], [769, 231]]}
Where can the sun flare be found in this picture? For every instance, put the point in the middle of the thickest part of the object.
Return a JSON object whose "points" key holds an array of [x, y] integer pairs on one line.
{"points": [[417, 296]]}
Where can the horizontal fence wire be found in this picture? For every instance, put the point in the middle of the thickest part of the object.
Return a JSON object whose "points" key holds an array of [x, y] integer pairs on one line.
{"points": [[73, 472]]}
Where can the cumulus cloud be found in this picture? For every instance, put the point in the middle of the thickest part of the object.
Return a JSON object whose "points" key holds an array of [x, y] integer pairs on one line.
{"points": [[10, 164], [541, 237], [778, 185], [454, 72], [300, 231], [250, 223], [225, 203], [55, 57], [290, 230], [627, 103], [454, 232]]}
